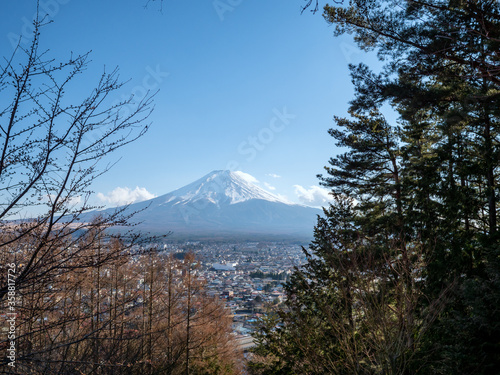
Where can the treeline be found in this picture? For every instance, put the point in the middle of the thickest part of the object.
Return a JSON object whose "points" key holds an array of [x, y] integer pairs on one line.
{"points": [[403, 276], [99, 306]]}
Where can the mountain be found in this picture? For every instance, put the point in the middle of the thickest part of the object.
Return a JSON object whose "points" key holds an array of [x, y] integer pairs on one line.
{"points": [[224, 204]]}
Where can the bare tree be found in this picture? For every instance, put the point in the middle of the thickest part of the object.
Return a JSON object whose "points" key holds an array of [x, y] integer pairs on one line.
{"points": [[50, 148], [53, 138], [87, 301]]}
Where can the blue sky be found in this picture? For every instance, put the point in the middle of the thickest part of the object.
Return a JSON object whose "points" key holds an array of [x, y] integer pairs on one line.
{"points": [[251, 86]]}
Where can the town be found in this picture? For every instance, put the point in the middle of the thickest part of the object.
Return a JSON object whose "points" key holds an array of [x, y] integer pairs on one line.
{"points": [[249, 276]]}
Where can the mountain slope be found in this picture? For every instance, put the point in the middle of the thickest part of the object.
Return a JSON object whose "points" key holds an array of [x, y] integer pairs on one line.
{"points": [[221, 204]]}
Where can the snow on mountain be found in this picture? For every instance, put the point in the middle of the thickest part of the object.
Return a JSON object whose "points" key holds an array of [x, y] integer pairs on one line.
{"points": [[223, 187], [222, 204]]}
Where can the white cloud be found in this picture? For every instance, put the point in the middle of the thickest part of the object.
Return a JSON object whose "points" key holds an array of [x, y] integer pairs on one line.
{"points": [[270, 187], [75, 201], [121, 196], [315, 196], [247, 177], [274, 175]]}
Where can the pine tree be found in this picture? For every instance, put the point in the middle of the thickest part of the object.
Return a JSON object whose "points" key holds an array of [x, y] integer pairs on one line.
{"points": [[413, 270]]}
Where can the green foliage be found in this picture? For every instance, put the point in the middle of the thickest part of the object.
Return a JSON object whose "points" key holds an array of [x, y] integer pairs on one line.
{"points": [[403, 274]]}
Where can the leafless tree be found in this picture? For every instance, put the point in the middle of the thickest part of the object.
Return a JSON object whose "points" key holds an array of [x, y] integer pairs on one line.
{"points": [[51, 144], [56, 129], [88, 301]]}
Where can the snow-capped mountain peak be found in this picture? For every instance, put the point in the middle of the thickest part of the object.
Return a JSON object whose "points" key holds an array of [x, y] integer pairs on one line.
{"points": [[225, 186], [223, 204]]}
